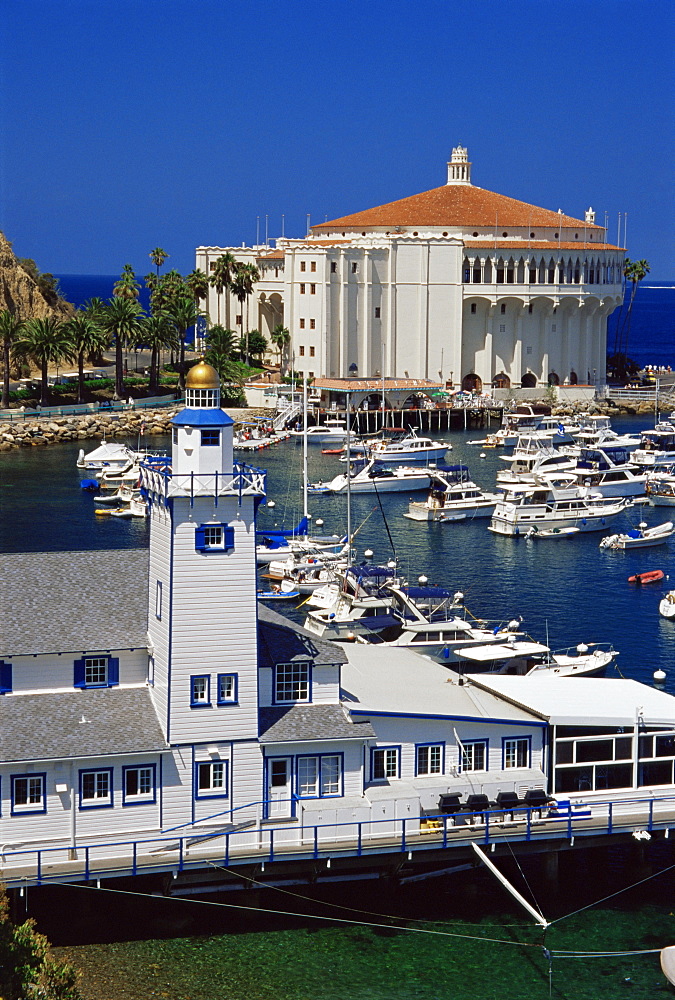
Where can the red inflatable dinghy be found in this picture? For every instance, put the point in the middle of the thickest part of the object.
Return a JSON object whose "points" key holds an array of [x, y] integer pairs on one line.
{"points": [[653, 576]]}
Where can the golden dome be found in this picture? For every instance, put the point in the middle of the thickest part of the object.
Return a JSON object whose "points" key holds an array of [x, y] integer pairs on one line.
{"points": [[202, 376]]}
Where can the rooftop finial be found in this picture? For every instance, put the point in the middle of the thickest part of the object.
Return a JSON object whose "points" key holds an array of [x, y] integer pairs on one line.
{"points": [[459, 168]]}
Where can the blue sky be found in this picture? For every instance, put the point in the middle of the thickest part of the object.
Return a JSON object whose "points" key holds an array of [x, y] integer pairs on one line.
{"points": [[129, 125]]}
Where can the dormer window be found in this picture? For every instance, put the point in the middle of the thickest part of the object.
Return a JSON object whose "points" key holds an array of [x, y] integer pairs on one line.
{"points": [[96, 671], [291, 683]]}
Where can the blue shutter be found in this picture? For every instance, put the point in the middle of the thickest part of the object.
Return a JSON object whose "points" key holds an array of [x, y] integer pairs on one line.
{"points": [[200, 539], [78, 679], [5, 677], [113, 671], [228, 538]]}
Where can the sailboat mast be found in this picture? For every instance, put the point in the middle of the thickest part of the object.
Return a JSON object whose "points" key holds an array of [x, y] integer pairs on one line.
{"points": [[305, 510], [349, 471]]}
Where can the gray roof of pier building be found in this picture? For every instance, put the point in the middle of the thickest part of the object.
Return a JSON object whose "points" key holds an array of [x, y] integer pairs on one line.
{"points": [[89, 723], [297, 723], [281, 640], [68, 601]]}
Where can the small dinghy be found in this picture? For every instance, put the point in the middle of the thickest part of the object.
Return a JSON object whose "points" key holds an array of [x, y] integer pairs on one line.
{"points": [[277, 595], [653, 576], [552, 532], [91, 485]]}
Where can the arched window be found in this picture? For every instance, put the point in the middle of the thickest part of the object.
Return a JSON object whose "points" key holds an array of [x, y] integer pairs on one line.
{"points": [[553, 378], [501, 381], [528, 380], [472, 383]]}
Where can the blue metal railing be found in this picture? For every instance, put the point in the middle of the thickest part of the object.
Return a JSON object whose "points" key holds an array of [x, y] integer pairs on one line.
{"points": [[41, 865]]}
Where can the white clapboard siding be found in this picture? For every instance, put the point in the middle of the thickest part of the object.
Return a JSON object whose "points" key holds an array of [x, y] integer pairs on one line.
{"points": [[326, 685], [213, 622], [55, 671], [158, 629], [246, 780]]}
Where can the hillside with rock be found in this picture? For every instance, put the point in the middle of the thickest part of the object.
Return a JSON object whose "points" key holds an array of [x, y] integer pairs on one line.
{"points": [[20, 292]]}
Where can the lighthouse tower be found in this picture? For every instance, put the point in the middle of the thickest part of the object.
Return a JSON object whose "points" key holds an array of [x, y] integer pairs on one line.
{"points": [[202, 608]]}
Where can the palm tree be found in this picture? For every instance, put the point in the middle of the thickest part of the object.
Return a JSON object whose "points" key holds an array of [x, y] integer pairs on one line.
{"points": [[159, 333], [634, 271], [46, 341], [242, 284], [221, 279], [122, 320], [158, 256], [281, 338], [88, 339], [127, 287], [198, 284], [183, 314], [11, 328], [221, 340]]}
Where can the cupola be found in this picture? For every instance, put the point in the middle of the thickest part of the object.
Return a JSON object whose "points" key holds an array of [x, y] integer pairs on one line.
{"points": [[459, 168], [202, 387]]}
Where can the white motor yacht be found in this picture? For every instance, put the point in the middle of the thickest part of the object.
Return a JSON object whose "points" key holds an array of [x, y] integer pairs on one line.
{"points": [[546, 506], [526, 658], [667, 605], [657, 447], [532, 458], [331, 430], [452, 492], [410, 448], [374, 477], [612, 471], [660, 488]]}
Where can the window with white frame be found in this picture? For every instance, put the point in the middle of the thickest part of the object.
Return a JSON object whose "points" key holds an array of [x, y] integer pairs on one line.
{"points": [[429, 759], [214, 538], [158, 600], [96, 788], [200, 690], [319, 776], [517, 752], [212, 779], [95, 670], [227, 689], [474, 755], [384, 763], [28, 793], [138, 784], [291, 682]]}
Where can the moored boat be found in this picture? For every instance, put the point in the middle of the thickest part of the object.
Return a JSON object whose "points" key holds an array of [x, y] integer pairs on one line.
{"points": [[453, 496], [546, 506], [375, 478], [641, 537], [651, 576], [667, 605]]}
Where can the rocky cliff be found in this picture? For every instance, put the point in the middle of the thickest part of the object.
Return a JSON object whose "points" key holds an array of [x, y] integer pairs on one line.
{"points": [[21, 294]]}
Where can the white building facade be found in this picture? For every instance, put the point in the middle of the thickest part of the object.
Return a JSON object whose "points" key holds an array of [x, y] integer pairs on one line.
{"points": [[456, 283]]}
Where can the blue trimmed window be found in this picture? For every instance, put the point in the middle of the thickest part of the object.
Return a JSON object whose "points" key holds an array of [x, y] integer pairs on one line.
{"points": [[200, 691], [228, 689], [158, 601], [139, 785], [214, 538], [292, 682], [210, 437], [319, 777], [96, 788], [5, 677], [516, 751], [384, 763], [473, 755], [29, 793], [429, 758], [211, 779], [96, 671]]}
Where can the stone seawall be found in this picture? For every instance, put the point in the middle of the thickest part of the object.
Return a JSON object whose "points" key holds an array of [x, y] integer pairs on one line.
{"points": [[36, 431]]}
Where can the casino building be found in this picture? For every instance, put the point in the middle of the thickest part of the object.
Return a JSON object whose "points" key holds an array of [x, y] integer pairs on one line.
{"points": [[457, 283]]}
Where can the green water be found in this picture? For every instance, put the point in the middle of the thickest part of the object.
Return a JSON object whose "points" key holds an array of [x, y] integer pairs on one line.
{"points": [[456, 937], [329, 963]]}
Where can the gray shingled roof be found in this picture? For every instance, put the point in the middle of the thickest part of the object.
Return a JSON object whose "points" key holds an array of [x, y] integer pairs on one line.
{"points": [[70, 601], [310, 722], [89, 723], [281, 640]]}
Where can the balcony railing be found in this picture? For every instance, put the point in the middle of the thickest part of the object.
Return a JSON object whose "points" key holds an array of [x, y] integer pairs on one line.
{"points": [[294, 839], [159, 481]]}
